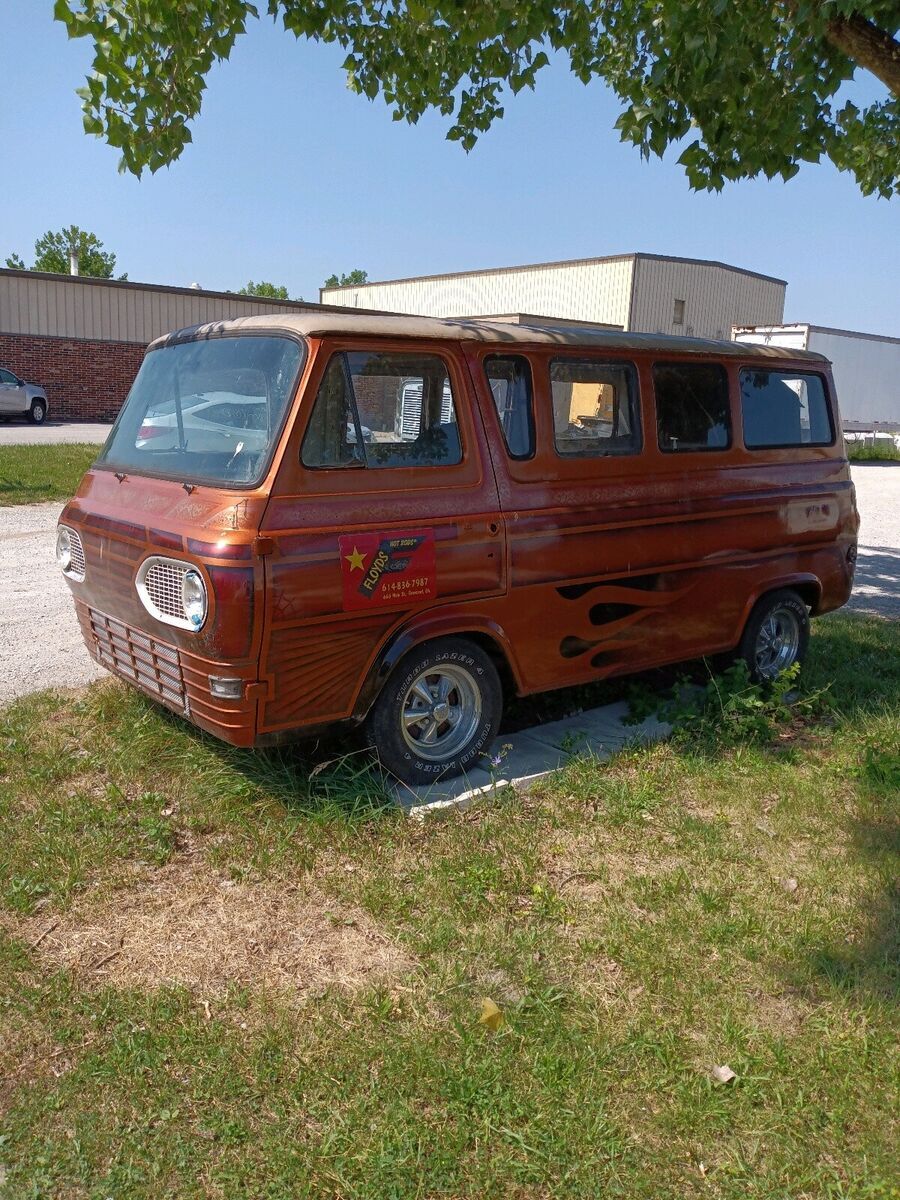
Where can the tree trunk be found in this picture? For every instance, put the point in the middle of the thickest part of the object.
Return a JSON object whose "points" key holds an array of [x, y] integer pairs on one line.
{"points": [[871, 47]]}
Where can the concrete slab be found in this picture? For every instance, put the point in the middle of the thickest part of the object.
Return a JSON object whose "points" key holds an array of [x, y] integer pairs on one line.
{"points": [[439, 808], [533, 753], [577, 732], [411, 796]]}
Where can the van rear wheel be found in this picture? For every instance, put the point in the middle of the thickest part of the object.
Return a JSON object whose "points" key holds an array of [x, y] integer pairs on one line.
{"points": [[776, 635], [438, 713]]}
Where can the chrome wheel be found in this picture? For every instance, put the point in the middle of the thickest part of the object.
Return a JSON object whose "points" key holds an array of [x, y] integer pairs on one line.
{"points": [[777, 642], [441, 712]]}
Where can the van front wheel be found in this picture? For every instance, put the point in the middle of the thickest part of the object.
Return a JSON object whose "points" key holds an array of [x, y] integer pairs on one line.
{"points": [[776, 635], [438, 713]]}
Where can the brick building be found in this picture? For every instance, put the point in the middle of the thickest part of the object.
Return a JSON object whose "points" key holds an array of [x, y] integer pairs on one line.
{"points": [[83, 339]]}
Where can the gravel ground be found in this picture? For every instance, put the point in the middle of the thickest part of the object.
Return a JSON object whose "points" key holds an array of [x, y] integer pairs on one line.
{"points": [[42, 646], [876, 588], [19, 433]]}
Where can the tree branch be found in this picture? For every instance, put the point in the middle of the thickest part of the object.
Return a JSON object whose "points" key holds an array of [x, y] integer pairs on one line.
{"points": [[871, 47]]}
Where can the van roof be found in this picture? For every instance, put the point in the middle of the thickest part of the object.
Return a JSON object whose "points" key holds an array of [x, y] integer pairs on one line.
{"points": [[322, 324]]}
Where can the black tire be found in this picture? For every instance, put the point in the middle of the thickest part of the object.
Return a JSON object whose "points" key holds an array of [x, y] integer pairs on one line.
{"points": [[776, 635], [475, 695], [37, 412]]}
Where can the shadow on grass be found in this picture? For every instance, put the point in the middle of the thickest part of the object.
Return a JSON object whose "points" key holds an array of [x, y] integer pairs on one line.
{"points": [[15, 491], [873, 962], [326, 778], [870, 963], [858, 658]]}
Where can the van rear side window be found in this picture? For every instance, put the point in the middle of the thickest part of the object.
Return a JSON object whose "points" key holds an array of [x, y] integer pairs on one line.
{"points": [[692, 410], [784, 408], [595, 409], [383, 410], [509, 378]]}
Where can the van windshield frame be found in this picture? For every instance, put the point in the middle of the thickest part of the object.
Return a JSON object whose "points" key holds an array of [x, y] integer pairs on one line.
{"points": [[257, 414]]}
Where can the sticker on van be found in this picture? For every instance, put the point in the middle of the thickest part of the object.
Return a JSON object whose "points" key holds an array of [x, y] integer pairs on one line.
{"points": [[387, 568]]}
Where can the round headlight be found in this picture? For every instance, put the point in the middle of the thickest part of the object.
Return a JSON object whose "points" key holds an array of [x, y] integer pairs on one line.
{"points": [[63, 548], [193, 598]]}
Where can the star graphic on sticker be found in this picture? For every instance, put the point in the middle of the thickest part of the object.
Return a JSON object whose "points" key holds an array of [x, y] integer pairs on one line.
{"points": [[356, 560]]}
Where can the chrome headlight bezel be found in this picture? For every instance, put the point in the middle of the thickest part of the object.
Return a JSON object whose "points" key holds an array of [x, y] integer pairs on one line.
{"points": [[194, 598], [70, 553], [63, 549], [173, 591]]}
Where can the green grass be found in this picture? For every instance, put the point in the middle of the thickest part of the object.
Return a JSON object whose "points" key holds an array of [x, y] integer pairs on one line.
{"points": [[631, 919], [872, 452], [29, 474]]}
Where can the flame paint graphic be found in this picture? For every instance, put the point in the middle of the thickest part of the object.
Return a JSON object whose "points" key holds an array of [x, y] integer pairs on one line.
{"points": [[605, 614]]}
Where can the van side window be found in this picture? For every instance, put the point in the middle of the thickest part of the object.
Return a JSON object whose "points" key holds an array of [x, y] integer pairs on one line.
{"points": [[595, 407], [692, 410], [784, 408], [509, 378], [383, 409]]}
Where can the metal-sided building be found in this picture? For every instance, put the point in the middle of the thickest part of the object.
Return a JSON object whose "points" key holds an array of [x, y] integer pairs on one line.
{"points": [[866, 367], [649, 293]]}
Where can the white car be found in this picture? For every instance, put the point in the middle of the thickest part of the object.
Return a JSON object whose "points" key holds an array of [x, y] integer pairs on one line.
{"points": [[215, 421], [21, 399]]}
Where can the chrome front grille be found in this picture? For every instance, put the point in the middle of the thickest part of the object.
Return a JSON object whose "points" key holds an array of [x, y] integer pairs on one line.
{"points": [[76, 551], [163, 582], [152, 665]]}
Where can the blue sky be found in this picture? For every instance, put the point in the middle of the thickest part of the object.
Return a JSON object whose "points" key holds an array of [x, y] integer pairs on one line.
{"points": [[291, 177]]}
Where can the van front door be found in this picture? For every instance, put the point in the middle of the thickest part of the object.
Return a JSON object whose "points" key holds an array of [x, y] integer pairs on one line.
{"points": [[383, 518]]}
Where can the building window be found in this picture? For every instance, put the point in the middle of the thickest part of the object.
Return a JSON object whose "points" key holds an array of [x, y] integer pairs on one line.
{"points": [[509, 378], [595, 407], [678, 316], [692, 410], [784, 408], [383, 410]]}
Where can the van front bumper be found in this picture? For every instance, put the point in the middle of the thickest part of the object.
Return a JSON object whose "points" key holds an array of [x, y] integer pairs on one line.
{"points": [[172, 676]]}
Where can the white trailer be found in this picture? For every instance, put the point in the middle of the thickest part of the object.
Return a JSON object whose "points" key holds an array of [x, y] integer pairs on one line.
{"points": [[866, 367]]}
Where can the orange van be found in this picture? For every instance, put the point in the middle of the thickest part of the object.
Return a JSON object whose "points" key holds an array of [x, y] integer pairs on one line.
{"points": [[304, 520]]}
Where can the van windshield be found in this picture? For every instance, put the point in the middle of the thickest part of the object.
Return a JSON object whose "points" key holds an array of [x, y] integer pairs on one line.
{"points": [[206, 410]]}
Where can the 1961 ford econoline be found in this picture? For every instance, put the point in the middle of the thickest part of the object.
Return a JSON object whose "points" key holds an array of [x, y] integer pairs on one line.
{"points": [[317, 518]]}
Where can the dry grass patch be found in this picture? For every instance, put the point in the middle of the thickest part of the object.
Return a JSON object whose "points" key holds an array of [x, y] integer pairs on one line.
{"points": [[591, 870], [27, 1053], [186, 925]]}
